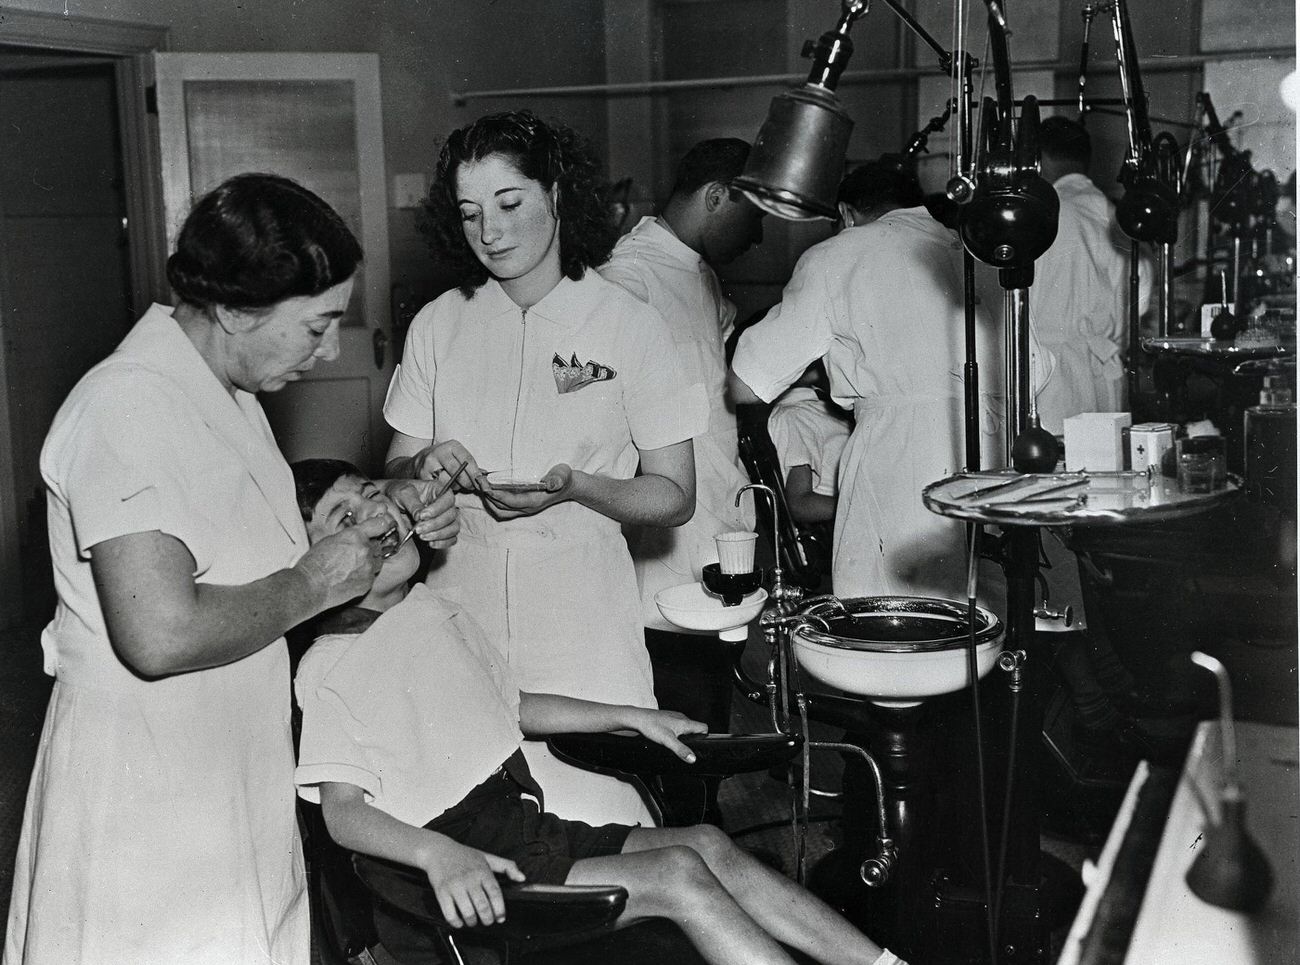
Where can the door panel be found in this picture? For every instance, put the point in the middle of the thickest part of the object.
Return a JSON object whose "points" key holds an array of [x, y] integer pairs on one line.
{"points": [[307, 419], [314, 118], [65, 290]]}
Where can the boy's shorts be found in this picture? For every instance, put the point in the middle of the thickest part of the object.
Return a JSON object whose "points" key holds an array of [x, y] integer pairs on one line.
{"points": [[496, 817]]}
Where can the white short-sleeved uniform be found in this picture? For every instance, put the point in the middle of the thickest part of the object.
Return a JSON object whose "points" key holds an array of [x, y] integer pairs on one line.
{"points": [[882, 304], [1078, 305], [555, 591], [160, 822], [671, 277], [805, 433], [417, 710]]}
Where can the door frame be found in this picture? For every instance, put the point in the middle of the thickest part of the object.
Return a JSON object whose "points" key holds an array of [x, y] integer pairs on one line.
{"points": [[127, 43], [361, 71], [362, 68]]}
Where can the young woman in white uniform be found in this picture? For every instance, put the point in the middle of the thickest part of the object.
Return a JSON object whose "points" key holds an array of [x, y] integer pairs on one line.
{"points": [[160, 823], [538, 367]]}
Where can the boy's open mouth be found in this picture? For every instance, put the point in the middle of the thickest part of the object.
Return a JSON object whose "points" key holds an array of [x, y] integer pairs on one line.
{"points": [[390, 542]]}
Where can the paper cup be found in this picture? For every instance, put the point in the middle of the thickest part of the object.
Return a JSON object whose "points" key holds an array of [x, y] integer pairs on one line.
{"points": [[736, 551]]}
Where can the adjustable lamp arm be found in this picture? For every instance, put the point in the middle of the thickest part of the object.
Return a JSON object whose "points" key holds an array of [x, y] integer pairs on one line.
{"points": [[1149, 209]]}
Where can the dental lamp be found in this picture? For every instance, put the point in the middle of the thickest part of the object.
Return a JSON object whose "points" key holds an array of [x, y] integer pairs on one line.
{"points": [[795, 165], [1148, 211], [793, 171]]}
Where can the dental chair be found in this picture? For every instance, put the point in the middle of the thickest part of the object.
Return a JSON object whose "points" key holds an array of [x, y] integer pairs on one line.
{"points": [[545, 925], [805, 552]]}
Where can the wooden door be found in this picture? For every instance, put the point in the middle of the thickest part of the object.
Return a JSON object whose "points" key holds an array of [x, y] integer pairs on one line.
{"points": [[314, 118]]}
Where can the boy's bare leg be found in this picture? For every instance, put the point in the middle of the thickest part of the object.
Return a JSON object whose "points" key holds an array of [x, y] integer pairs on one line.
{"points": [[787, 911], [675, 883]]}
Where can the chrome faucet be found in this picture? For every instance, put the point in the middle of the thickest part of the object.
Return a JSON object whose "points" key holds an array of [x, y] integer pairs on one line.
{"points": [[782, 597]]}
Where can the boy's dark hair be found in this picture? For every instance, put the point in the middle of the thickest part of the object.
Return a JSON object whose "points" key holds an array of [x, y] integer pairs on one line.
{"points": [[1065, 140], [312, 479], [717, 159]]}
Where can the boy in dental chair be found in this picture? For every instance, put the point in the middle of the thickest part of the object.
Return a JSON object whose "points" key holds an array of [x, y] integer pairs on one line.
{"points": [[410, 743]]}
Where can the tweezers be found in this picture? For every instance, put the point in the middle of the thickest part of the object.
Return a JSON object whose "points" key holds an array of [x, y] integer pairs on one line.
{"points": [[442, 491], [996, 487], [1051, 494]]}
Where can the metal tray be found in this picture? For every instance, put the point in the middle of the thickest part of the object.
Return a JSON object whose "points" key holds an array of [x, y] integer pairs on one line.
{"points": [[1204, 347], [1008, 498]]}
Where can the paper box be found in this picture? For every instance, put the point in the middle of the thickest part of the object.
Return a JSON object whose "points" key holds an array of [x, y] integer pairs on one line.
{"points": [[1147, 444], [1094, 441]]}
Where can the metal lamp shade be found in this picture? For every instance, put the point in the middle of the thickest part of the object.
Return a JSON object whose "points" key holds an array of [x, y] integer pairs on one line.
{"points": [[795, 165]]}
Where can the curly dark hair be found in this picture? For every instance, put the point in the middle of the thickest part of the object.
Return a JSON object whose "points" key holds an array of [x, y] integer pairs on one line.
{"points": [[548, 153], [257, 239]]}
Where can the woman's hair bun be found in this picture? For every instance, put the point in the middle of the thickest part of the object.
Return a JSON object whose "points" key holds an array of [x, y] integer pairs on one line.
{"points": [[257, 239]]}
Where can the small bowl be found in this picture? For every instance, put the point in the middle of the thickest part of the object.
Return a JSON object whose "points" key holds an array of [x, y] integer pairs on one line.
{"points": [[732, 587], [691, 607]]}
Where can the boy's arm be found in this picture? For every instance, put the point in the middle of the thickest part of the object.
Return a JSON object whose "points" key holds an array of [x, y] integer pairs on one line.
{"points": [[463, 878], [541, 714], [806, 505]]}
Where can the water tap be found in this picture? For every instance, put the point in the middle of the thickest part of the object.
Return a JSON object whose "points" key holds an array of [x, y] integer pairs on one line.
{"points": [[781, 596]]}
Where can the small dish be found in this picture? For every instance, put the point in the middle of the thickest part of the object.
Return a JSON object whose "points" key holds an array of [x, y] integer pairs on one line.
{"points": [[691, 607], [508, 481]]}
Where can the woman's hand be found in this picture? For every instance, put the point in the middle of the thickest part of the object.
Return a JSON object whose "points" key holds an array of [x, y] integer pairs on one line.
{"points": [[504, 504], [344, 564], [464, 881], [665, 727], [438, 460], [436, 520]]}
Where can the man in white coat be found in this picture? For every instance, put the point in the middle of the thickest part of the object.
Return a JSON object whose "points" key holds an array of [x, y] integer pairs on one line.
{"points": [[668, 261], [1078, 304], [882, 304], [1078, 307]]}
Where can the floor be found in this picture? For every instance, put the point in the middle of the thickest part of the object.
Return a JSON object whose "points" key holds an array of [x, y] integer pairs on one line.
{"points": [[1078, 802]]}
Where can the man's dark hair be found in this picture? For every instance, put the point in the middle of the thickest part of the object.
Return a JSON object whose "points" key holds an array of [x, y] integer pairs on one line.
{"points": [[717, 159], [1065, 140], [880, 182], [312, 479]]}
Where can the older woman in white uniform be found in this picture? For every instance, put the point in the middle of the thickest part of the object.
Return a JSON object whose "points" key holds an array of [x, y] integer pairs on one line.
{"points": [[538, 368], [160, 824]]}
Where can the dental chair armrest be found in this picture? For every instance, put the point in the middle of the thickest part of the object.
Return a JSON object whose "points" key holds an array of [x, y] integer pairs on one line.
{"points": [[716, 755], [532, 911]]}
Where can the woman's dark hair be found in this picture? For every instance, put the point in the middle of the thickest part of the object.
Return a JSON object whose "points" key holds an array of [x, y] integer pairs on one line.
{"points": [[312, 479], [257, 239], [550, 154]]}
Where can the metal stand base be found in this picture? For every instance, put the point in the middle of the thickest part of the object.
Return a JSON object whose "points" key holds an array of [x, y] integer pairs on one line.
{"points": [[1029, 916]]}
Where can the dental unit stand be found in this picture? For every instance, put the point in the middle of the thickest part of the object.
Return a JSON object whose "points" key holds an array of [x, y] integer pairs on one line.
{"points": [[784, 689]]}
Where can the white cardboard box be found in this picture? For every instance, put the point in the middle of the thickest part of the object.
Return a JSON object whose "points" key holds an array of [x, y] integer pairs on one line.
{"points": [[1094, 441], [1147, 444]]}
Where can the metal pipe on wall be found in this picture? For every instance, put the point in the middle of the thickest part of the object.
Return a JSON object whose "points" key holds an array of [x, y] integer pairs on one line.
{"points": [[1162, 65]]}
